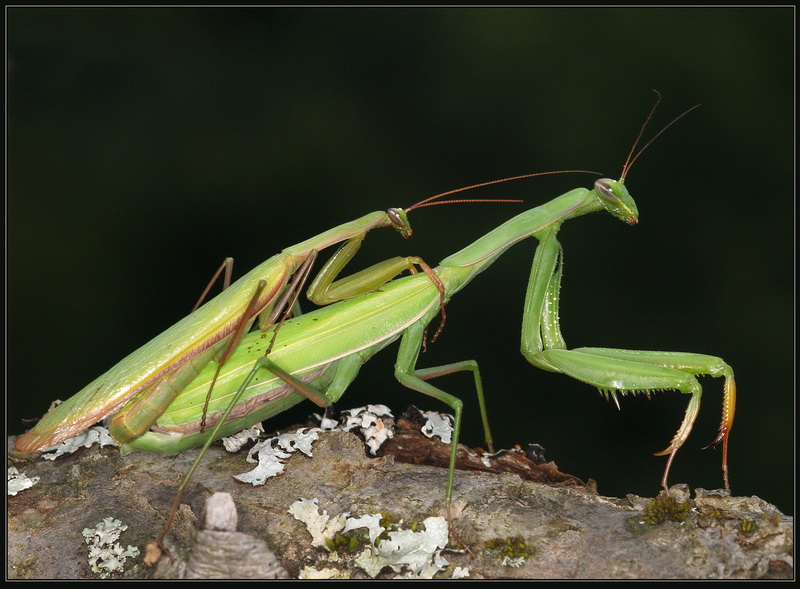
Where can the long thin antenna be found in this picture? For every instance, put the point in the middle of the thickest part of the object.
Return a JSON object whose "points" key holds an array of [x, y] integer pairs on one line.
{"points": [[429, 201], [632, 158]]}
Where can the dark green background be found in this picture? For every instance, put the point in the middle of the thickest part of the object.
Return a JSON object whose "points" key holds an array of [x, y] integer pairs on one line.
{"points": [[145, 145]]}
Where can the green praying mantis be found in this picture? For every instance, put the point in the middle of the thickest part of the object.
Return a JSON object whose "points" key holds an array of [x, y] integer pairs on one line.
{"points": [[318, 355], [138, 388]]}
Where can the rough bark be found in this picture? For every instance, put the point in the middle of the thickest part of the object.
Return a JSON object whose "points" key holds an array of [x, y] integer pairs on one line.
{"points": [[559, 528]]}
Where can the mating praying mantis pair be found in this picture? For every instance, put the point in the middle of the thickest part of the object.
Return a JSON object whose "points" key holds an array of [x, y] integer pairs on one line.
{"points": [[206, 377]]}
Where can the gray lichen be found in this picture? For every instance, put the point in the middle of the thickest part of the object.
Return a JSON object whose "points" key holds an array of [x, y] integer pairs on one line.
{"points": [[576, 533]]}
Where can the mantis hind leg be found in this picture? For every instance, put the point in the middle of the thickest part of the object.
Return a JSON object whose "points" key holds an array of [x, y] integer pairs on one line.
{"points": [[466, 365], [615, 371], [410, 376], [415, 379]]}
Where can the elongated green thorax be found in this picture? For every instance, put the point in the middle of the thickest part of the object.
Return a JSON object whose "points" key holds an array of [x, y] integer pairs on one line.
{"points": [[610, 195]]}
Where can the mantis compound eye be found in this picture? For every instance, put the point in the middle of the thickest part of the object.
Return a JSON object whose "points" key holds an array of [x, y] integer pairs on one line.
{"points": [[605, 187]]}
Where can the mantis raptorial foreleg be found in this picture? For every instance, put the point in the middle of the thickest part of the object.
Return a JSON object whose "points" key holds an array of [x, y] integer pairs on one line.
{"points": [[615, 371]]}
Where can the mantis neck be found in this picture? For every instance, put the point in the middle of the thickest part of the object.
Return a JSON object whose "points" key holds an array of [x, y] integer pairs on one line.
{"points": [[457, 270]]}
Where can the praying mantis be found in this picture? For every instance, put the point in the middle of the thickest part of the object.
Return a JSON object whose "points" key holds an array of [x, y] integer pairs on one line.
{"points": [[318, 355], [144, 383]]}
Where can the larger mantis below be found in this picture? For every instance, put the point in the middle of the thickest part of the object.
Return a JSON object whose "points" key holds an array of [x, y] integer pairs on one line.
{"points": [[318, 355]]}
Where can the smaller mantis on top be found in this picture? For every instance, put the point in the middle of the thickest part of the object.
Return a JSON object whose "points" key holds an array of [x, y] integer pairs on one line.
{"points": [[140, 386]]}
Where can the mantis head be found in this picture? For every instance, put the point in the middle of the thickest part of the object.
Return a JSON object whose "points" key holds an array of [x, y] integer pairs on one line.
{"points": [[612, 193], [399, 220], [617, 200]]}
